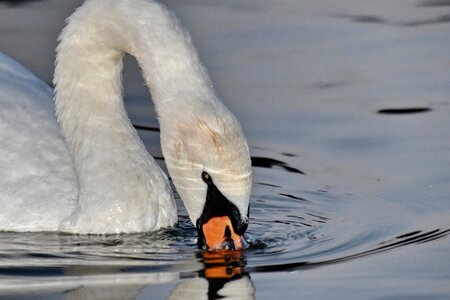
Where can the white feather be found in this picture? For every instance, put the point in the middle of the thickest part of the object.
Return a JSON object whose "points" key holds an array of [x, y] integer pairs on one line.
{"points": [[102, 179]]}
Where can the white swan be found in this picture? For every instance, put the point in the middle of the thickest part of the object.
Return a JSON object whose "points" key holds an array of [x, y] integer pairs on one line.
{"points": [[97, 176]]}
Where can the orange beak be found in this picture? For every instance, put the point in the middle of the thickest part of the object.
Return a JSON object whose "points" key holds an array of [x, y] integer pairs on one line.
{"points": [[219, 234]]}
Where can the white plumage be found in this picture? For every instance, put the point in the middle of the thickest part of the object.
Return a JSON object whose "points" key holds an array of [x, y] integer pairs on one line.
{"points": [[97, 177]]}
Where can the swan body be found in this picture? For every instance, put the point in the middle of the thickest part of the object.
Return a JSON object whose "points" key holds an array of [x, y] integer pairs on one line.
{"points": [[87, 171], [35, 167]]}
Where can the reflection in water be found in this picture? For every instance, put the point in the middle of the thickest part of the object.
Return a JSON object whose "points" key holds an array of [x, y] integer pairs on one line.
{"points": [[415, 237], [433, 3], [379, 20], [265, 162], [404, 111], [107, 284], [146, 127], [214, 275], [293, 197], [223, 277], [222, 264], [295, 232], [17, 2], [219, 275]]}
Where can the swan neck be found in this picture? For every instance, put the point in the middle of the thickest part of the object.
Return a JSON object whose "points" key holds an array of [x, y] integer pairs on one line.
{"points": [[109, 157]]}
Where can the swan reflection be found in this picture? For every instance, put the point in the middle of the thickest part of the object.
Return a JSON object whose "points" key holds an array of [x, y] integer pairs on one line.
{"points": [[223, 277]]}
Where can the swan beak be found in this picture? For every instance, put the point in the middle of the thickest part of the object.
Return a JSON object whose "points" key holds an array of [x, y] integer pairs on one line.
{"points": [[219, 234]]}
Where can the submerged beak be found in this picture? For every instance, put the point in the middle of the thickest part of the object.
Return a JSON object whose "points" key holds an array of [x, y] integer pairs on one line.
{"points": [[219, 234]]}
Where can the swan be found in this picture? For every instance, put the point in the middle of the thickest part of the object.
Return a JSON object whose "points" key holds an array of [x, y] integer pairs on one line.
{"points": [[85, 170]]}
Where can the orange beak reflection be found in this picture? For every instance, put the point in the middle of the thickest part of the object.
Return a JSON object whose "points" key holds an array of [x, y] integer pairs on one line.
{"points": [[219, 234], [222, 264]]}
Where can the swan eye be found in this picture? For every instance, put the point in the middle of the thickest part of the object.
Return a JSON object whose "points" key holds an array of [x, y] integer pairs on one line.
{"points": [[206, 177]]}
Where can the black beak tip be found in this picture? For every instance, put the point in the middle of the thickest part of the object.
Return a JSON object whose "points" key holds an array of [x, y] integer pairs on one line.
{"points": [[228, 244]]}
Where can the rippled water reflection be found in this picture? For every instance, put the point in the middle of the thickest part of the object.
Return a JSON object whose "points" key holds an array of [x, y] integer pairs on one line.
{"points": [[345, 106], [298, 230]]}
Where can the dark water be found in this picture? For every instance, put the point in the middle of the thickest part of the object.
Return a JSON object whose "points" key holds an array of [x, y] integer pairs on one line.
{"points": [[346, 108]]}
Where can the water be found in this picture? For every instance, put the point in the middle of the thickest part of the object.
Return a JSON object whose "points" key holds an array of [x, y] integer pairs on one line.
{"points": [[346, 108]]}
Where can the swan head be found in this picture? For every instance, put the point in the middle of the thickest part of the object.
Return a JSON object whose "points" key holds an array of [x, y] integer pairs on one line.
{"points": [[209, 162]]}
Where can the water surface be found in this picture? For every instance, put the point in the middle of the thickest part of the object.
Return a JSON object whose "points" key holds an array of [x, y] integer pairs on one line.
{"points": [[346, 108]]}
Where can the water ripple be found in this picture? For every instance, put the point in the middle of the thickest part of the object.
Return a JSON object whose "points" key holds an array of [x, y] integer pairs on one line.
{"points": [[290, 229]]}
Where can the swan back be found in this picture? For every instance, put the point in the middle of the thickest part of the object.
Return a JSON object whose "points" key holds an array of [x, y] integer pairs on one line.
{"points": [[37, 178]]}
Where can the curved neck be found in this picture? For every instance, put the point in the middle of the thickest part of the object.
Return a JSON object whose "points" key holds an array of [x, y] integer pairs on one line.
{"points": [[89, 58], [88, 92]]}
